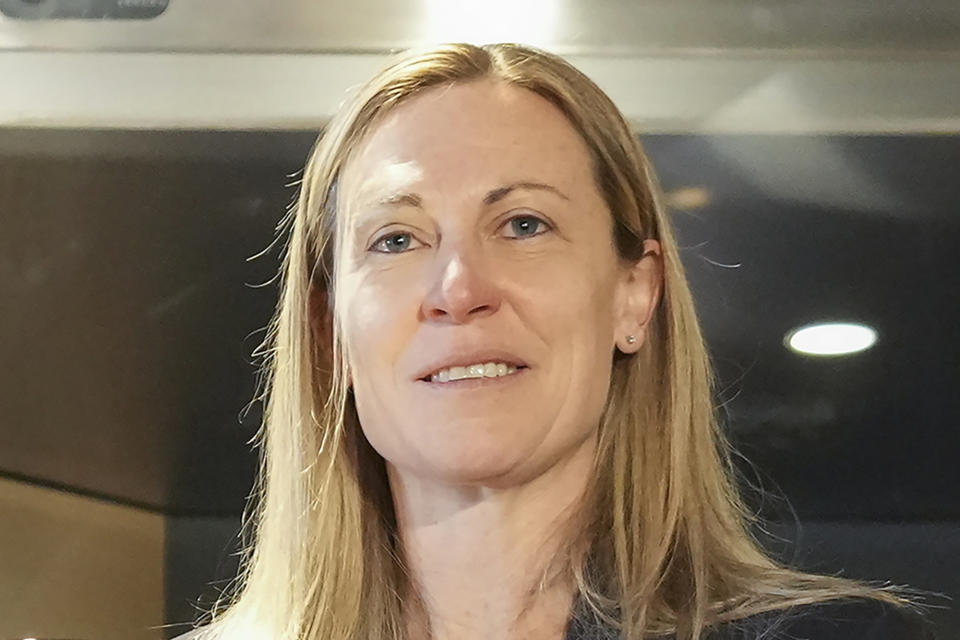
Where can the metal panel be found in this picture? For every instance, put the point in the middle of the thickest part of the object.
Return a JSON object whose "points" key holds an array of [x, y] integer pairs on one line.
{"points": [[680, 66], [664, 94], [608, 27]]}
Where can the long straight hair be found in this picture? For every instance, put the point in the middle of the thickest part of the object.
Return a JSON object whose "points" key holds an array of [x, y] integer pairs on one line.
{"points": [[665, 542]]}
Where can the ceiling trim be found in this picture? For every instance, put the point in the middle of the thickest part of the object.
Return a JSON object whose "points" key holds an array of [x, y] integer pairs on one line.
{"points": [[662, 94]]}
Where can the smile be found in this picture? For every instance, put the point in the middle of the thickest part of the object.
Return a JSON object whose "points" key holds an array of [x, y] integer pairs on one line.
{"points": [[456, 379], [480, 370]]}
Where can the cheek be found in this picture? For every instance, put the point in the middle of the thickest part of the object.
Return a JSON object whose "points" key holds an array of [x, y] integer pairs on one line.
{"points": [[377, 332], [376, 327], [570, 295]]}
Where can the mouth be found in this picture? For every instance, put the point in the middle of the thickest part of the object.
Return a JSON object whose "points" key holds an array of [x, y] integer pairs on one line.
{"points": [[474, 381]]}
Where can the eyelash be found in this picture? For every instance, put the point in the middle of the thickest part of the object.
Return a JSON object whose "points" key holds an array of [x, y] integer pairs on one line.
{"points": [[379, 240]]}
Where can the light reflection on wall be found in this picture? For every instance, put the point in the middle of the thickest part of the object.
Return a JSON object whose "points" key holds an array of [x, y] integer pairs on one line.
{"points": [[533, 22]]}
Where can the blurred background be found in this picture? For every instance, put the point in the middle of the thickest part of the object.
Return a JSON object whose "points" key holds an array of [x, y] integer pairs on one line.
{"points": [[148, 149]]}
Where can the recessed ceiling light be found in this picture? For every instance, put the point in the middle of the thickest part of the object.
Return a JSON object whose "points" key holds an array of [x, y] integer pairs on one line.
{"points": [[688, 198], [831, 338]]}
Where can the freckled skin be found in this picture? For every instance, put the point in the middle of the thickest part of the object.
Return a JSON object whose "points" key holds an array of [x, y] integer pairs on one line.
{"points": [[463, 276]]}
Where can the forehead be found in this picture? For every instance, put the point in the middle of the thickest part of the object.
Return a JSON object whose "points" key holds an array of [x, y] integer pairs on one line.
{"points": [[467, 137]]}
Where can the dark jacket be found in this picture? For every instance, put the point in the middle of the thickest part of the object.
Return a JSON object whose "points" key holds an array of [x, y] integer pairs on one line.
{"points": [[859, 619], [837, 620]]}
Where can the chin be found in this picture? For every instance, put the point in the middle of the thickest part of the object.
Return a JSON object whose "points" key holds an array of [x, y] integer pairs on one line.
{"points": [[493, 466], [469, 454]]}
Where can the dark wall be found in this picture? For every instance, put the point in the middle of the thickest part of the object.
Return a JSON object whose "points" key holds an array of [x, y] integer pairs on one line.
{"points": [[200, 560]]}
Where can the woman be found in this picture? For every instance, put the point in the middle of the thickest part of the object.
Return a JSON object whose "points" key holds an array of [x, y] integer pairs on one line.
{"points": [[489, 403]]}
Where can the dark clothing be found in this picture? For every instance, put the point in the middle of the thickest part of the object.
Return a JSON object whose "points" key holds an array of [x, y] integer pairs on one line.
{"points": [[838, 620]]}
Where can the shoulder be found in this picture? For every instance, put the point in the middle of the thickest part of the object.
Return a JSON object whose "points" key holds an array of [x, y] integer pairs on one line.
{"points": [[847, 619]]}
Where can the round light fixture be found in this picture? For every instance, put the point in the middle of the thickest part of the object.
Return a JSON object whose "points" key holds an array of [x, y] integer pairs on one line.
{"points": [[831, 338], [688, 198]]}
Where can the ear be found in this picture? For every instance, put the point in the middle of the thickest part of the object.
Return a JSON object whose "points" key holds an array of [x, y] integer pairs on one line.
{"points": [[639, 291]]}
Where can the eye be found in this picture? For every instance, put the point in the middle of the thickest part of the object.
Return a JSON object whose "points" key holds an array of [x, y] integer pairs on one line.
{"points": [[399, 240], [522, 224]]}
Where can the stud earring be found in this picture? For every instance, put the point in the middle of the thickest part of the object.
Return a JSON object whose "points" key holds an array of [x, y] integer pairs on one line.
{"points": [[631, 339]]}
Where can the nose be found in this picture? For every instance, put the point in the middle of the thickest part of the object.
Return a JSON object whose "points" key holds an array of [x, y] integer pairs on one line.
{"points": [[461, 289]]}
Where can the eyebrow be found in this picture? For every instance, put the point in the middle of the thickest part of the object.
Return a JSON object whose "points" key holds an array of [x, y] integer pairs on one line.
{"points": [[492, 197]]}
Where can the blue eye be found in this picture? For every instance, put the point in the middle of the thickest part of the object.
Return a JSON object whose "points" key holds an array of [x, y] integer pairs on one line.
{"points": [[385, 241], [528, 222], [522, 225]]}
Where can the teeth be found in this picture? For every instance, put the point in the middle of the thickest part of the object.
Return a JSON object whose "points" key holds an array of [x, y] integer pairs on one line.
{"points": [[480, 370]]}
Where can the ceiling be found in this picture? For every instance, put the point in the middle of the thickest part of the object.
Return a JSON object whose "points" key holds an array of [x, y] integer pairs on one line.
{"points": [[672, 66], [597, 27], [131, 310]]}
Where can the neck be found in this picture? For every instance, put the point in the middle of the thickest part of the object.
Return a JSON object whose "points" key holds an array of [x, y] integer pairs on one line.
{"points": [[490, 562]]}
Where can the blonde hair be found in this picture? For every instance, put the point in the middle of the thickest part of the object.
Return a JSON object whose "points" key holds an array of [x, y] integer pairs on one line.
{"points": [[666, 545]]}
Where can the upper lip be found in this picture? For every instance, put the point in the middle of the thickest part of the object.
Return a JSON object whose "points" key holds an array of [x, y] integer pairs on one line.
{"points": [[464, 358]]}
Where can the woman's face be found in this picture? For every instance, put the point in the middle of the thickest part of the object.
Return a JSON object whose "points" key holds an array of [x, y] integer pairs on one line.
{"points": [[472, 223]]}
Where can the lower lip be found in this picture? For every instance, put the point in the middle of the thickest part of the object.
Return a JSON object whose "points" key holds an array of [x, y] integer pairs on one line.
{"points": [[465, 384]]}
